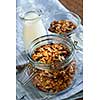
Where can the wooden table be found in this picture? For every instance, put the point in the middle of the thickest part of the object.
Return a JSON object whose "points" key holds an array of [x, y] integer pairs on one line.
{"points": [[74, 6], [80, 99]]}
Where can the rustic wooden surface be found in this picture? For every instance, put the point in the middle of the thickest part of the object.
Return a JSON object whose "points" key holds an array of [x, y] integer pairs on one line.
{"points": [[80, 99], [75, 6]]}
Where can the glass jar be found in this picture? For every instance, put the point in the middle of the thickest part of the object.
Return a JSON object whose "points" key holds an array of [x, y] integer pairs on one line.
{"points": [[33, 26], [62, 23], [55, 77]]}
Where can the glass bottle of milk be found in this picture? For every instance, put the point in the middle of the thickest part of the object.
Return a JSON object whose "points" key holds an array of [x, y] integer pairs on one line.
{"points": [[33, 28]]}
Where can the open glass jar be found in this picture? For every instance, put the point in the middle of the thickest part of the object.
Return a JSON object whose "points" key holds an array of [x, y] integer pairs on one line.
{"points": [[52, 67], [62, 23], [33, 26]]}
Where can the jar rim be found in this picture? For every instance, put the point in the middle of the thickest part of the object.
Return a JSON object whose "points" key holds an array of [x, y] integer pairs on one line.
{"points": [[34, 11], [43, 66], [63, 13]]}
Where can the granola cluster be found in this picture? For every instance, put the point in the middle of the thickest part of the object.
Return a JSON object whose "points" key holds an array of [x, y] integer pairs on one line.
{"points": [[62, 26]]}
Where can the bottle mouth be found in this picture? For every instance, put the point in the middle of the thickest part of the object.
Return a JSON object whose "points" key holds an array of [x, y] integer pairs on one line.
{"points": [[47, 39], [31, 15]]}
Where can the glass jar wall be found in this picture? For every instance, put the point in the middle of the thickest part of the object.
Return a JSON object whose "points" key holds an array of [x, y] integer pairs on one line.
{"points": [[52, 67]]}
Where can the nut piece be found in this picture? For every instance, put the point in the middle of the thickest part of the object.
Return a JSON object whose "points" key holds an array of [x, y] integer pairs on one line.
{"points": [[62, 26]]}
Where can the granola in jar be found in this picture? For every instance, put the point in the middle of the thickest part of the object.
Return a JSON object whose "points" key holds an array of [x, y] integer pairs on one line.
{"points": [[53, 81], [62, 26], [51, 53]]}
